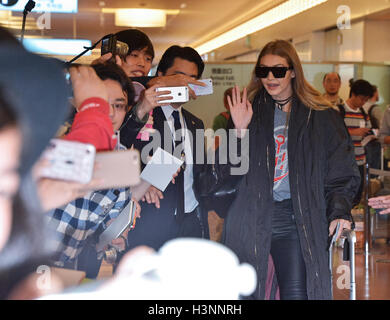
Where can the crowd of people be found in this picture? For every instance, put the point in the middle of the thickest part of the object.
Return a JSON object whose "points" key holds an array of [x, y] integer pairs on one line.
{"points": [[305, 151]]}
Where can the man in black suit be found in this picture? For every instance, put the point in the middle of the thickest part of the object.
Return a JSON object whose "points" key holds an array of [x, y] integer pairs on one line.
{"points": [[177, 212]]}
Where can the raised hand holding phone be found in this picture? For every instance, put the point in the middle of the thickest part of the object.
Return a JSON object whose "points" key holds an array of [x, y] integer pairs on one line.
{"points": [[149, 99]]}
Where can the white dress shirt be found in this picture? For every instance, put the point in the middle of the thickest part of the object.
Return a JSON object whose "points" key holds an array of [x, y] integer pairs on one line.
{"points": [[190, 202]]}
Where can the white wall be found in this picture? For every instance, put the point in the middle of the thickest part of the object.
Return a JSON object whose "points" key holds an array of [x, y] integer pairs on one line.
{"points": [[377, 41], [345, 45]]}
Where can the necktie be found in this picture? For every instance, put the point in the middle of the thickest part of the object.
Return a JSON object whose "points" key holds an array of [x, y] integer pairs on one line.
{"points": [[180, 178], [177, 123]]}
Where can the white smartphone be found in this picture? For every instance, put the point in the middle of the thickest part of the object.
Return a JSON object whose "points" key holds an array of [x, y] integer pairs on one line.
{"points": [[203, 91], [69, 160], [178, 94]]}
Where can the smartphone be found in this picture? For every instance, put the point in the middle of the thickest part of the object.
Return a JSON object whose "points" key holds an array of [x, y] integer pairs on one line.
{"points": [[69, 160], [118, 169], [178, 94], [203, 91]]}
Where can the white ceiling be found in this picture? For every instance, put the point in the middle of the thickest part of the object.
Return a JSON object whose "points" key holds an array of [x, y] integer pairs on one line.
{"points": [[200, 20]]}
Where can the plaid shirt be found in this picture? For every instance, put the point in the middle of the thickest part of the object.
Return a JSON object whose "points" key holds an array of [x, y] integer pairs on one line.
{"points": [[82, 220], [77, 222]]}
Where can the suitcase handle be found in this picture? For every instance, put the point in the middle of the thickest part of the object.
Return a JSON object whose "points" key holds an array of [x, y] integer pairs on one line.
{"points": [[350, 236]]}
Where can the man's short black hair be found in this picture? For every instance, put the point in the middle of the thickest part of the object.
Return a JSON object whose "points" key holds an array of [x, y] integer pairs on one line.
{"points": [[185, 53], [361, 88], [326, 74], [136, 40], [114, 72]]}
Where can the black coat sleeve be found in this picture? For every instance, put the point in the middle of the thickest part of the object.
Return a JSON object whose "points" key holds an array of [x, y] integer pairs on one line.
{"points": [[342, 176]]}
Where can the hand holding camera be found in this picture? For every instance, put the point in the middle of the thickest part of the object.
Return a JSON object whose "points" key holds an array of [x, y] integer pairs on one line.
{"points": [[107, 57]]}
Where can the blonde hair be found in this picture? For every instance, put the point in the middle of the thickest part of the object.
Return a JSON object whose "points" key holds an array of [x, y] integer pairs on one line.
{"points": [[305, 92]]}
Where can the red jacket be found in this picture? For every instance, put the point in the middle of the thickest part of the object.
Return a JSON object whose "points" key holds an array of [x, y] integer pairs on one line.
{"points": [[92, 124]]}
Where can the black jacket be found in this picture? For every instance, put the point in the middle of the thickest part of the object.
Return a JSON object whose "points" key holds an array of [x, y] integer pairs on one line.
{"points": [[324, 179]]}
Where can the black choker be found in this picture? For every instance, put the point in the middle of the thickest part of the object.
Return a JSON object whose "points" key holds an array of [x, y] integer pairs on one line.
{"points": [[281, 103]]}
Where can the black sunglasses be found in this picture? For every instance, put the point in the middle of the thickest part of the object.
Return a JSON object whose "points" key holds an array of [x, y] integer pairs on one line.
{"points": [[278, 72]]}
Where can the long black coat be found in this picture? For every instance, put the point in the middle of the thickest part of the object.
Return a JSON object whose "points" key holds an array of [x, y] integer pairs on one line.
{"points": [[324, 179]]}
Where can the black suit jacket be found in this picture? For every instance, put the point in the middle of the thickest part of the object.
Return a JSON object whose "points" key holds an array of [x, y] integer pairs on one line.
{"points": [[156, 226]]}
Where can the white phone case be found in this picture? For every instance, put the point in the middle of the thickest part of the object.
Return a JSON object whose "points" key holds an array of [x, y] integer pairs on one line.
{"points": [[203, 91], [178, 94], [69, 160]]}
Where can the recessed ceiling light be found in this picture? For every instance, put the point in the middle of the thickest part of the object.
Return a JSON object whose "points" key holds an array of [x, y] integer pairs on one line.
{"points": [[140, 18]]}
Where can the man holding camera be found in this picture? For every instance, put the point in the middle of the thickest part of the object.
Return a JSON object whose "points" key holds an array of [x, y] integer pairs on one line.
{"points": [[136, 63], [177, 212]]}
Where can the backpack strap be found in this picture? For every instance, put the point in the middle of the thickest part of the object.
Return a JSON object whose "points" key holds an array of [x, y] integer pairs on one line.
{"points": [[342, 110], [365, 115]]}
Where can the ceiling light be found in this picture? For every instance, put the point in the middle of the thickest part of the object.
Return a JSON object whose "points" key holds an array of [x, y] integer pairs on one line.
{"points": [[135, 17], [140, 18], [279, 13]]}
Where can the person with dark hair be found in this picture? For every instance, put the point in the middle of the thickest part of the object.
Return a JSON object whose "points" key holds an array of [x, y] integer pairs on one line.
{"points": [[178, 212], [137, 65], [301, 179], [87, 217], [140, 56], [173, 53], [332, 83], [358, 124]]}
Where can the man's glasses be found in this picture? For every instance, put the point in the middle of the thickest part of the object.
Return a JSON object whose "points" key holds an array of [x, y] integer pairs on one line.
{"points": [[278, 72]]}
